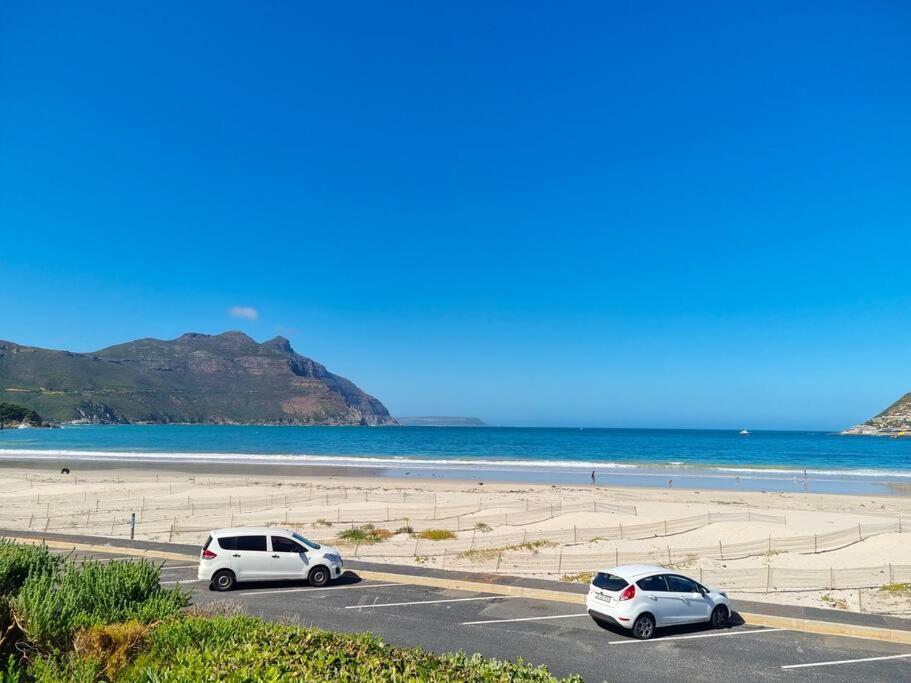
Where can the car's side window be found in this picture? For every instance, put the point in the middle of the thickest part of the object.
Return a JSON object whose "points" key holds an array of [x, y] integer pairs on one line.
{"points": [[280, 544], [257, 543], [228, 542], [654, 584], [681, 584]]}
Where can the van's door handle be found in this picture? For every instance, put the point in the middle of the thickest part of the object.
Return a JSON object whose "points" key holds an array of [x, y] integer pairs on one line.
{"points": [[275, 556], [235, 555]]}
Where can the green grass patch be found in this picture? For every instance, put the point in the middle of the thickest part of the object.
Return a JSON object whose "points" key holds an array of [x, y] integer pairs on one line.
{"points": [[436, 534], [896, 589], [490, 553], [367, 533]]}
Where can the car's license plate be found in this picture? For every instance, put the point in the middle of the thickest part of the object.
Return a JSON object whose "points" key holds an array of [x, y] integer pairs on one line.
{"points": [[605, 598]]}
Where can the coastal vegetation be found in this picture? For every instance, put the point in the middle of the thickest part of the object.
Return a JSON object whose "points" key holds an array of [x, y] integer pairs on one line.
{"points": [[63, 621], [12, 415]]}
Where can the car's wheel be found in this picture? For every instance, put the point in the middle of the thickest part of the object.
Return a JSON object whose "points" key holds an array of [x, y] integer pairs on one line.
{"points": [[644, 627], [223, 580], [319, 576], [720, 617]]}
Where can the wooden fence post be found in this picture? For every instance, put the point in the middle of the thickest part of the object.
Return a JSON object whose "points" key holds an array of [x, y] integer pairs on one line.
{"points": [[665, 527], [575, 537], [831, 578], [768, 578], [720, 550], [443, 563], [668, 555], [620, 524], [499, 558], [814, 543]]}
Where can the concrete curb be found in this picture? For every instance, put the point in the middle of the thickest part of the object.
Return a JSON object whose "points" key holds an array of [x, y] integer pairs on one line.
{"points": [[771, 621]]}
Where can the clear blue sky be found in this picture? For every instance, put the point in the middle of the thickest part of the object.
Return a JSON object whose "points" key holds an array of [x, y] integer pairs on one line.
{"points": [[617, 214]]}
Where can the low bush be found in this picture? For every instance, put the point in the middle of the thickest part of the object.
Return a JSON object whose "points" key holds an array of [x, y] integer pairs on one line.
{"points": [[437, 534], [50, 607], [483, 527], [364, 534], [18, 562], [249, 649]]}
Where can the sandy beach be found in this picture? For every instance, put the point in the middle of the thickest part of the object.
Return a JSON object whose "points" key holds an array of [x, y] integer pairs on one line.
{"points": [[816, 549]]}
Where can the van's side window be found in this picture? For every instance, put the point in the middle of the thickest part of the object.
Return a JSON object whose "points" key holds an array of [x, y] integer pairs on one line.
{"points": [[251, 543], [228, 542], [280, 544]]}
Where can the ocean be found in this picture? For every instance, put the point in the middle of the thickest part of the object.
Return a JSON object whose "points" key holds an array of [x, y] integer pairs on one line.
{"points": [[764, 460]]}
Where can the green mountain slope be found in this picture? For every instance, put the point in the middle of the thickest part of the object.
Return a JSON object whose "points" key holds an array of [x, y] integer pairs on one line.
{"points": [[224, 378], [893, 421]]}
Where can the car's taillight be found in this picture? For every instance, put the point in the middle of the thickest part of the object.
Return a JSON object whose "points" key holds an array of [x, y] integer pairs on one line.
{"points": [[208, 554], [628, 593]]}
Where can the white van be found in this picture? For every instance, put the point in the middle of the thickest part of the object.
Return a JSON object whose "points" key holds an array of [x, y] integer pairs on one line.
{"points": [[265, 554]]}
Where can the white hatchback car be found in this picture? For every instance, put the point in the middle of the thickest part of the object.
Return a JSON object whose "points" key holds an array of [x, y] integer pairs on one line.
{"points": [[265, 554], [642, 598]]}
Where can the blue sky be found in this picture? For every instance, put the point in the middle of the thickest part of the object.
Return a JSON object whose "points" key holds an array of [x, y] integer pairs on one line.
{"points": [[615, 214]]}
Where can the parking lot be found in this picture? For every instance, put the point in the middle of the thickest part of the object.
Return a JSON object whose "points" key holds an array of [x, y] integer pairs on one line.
{"points": [[559, 635]]}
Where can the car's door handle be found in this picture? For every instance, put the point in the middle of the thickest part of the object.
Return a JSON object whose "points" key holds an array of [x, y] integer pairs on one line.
{"points": [[235, 555], [653, 597], [275, 556]]}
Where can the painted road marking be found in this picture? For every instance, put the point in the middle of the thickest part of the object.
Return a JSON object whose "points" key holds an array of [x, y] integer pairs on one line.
{"points": [[503, 621], [659, 639], [325, 588], [432, 602], [845, 661]]}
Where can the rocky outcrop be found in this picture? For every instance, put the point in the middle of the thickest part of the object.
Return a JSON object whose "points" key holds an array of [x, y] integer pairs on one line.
{"points": [[226, 378], [893, 421]]}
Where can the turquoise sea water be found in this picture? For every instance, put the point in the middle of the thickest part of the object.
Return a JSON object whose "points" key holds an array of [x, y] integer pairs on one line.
{"points": [[717, 459]]}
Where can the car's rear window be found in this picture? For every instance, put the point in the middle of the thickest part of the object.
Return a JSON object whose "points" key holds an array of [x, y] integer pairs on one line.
{"points": [[608, 582]]}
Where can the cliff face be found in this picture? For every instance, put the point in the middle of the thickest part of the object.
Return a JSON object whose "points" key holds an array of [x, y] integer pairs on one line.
{"points": [[893, 421], [224, 378]]}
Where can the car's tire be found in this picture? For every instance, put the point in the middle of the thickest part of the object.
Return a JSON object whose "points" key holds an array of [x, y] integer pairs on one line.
{"points": [[223, 580], [720, 617], [319, 576], [644, 626]]}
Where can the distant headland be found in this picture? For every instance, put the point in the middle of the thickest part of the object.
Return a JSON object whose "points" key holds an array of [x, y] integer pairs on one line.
{"points": [[226, 378], [893, 421]]}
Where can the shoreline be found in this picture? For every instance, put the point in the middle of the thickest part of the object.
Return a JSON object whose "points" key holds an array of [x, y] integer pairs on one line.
{"points": [[564, 473]]}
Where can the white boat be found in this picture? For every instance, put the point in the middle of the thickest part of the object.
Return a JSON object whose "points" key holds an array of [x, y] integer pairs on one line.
{"points": [[744, 432]]}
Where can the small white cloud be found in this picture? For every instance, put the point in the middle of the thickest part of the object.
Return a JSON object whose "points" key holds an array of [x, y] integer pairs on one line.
{"points": [[246, 312]]}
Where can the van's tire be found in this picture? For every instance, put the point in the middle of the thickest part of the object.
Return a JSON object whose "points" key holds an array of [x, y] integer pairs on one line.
{"points": [[223, 580], [319, 576], [644, 626], [720, 617]]}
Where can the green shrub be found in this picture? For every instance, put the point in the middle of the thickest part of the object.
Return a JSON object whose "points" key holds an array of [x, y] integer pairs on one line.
{"points": [[248, 649], [11, 671], [50, 607], [18, 561], [364, 534], [437, 534]]}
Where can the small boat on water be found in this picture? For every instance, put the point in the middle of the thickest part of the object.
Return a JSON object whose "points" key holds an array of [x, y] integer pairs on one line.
{"points": [[744, 432]]}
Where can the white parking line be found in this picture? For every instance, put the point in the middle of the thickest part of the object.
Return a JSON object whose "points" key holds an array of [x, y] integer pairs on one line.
{"points": [[325, 588], [659, 639], [845, 661], [503, 621], [431, 602]]}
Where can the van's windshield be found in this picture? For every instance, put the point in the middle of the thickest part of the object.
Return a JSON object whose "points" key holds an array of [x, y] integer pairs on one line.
{"points": [[306, 541]]}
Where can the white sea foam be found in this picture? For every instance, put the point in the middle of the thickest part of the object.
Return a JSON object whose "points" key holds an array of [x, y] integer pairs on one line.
{"points": [[799, 472], [291, 459]]}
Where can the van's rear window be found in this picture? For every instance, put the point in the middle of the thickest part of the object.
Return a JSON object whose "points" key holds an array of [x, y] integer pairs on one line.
{"points": [[609, 582]]}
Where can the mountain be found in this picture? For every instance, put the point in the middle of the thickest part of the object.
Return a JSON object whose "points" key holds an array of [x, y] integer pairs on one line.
{"points": [[893, 421], [223, 378], [441, 421]]}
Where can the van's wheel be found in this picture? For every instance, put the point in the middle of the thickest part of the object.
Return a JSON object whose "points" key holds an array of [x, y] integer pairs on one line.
{"points": [[720, 617], [644, 627], [319, 576], [223, 580]]}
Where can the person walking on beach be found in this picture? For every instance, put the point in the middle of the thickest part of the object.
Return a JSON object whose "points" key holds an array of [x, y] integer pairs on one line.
{"points": [[593, 477]]}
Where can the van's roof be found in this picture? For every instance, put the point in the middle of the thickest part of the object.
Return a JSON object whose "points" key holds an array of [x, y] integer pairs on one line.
{"points": [[248, 530]]}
